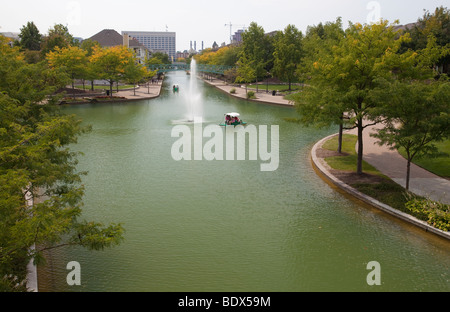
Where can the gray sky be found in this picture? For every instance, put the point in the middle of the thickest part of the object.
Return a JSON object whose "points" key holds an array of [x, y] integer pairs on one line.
{"points": [[202, 20]]}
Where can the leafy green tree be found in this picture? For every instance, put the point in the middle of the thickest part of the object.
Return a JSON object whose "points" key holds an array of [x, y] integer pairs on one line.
{"points": [[246, 71], [40, 188], [58, 36], [135, 72], [27, 82], [342, 81], [432, 25], [418, 116], [30, 38], [314, 107], [158, 58], [254, 49], [288, 53]]}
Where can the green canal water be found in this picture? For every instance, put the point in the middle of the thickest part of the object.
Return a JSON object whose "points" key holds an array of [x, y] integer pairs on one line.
{"points": [[227, 225]]}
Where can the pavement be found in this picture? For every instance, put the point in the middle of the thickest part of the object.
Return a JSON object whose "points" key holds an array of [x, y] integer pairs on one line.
{"points": [[142, 93], [261, 96], [392, 164]]}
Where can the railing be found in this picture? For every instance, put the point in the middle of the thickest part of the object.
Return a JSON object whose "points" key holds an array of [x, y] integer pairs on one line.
{"points": [[204, 68]]}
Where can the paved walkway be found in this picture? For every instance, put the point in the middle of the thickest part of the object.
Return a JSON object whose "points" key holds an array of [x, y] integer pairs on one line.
{"points": [[142, 93], [240, 93], [392, 164]]}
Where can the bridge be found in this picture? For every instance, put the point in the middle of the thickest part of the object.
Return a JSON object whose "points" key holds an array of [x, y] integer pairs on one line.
{"points": [[203, 68]]}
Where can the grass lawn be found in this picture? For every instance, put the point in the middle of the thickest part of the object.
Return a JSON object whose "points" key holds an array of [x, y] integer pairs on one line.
{"points": [[438, 165], [386, 191], [348, 162]]}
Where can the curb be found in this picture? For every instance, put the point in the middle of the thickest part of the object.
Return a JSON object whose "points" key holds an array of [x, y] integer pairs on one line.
{"points": [[320, 165]]}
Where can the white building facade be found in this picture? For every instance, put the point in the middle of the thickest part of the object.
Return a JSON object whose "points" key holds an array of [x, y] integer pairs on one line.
{"points": [[156, 41]]}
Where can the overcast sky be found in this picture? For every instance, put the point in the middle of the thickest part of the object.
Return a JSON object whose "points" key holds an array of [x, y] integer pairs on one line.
{"points": [[202, 20]]}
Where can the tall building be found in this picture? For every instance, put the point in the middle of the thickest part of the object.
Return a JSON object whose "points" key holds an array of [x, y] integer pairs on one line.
{"points": [[237, 37], [156, 41]]}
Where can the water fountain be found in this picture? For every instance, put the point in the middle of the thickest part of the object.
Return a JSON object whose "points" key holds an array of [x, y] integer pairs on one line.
{"points": [[193, 96]]}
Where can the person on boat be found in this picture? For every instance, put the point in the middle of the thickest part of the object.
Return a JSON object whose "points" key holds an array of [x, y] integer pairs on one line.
{"points": [[228, 120]]}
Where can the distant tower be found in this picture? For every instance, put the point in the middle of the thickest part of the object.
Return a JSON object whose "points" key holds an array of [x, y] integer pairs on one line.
{"points": [[191, 44], [202, 45], [195, 45]]}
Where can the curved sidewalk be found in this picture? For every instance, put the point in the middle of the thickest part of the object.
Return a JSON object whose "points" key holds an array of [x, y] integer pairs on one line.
{"points": [[392, 164]]}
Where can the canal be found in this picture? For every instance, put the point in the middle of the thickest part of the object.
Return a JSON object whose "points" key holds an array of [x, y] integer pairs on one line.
{"points": [[227, 225]]}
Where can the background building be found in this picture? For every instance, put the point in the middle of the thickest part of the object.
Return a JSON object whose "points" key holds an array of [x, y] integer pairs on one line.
{"points": [[156, 41], [237, 37], [111, 38]]}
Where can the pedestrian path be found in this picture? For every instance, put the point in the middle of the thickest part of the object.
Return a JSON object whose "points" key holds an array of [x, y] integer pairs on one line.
{"points": [[392, 164], [240, 93], [141, 93]]}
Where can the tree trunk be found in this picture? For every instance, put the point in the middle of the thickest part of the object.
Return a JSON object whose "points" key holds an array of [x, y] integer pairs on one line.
{"points": [[360, 147], [110, 88], [408, 173], [341, 132]]}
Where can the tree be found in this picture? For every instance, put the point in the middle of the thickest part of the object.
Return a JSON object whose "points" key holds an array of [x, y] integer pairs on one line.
{"points": [[88, 45], [343, 80], [418, 116], [435, 25], [110, 63], [246, 71], [288, 53], [158, 58], [58, 36], [315, 107], [27, 82], [74, 60], [253, 50], [40, 193], [30, 38], [135, 72]]}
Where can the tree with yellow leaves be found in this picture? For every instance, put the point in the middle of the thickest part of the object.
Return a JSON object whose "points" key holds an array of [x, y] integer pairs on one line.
{"points": [[110, 63], [73, 59]]}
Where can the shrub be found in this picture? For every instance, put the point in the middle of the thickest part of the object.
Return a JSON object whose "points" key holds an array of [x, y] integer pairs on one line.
{"points": [[434, 213], [233, 91], [251, 95]]}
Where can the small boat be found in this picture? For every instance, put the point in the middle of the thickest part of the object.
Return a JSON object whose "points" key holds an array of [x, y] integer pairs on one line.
{"points": [[232, 119], [175, 88]]}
